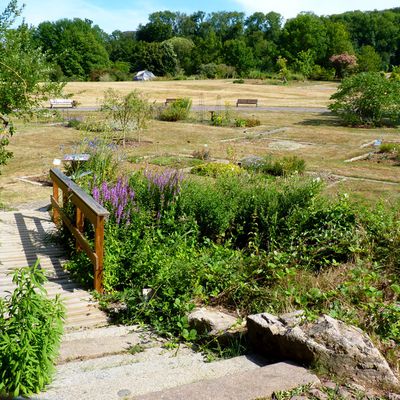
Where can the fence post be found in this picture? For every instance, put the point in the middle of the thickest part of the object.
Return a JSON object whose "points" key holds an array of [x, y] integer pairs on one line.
{"points": [[80, 218], [98, 249], [56, 214]]}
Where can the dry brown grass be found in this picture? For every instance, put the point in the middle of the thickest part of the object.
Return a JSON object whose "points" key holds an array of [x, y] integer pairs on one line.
{"points": [[211, 92], [318, 138]]}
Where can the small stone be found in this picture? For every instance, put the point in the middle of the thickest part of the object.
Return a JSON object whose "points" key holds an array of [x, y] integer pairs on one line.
{"points": [[318, 394], [345, 394], [330, 385], [393, 396], [124, 393], [356, 388]]}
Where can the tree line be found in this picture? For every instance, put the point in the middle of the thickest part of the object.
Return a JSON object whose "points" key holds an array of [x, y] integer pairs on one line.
{"points": [[221, 44]]}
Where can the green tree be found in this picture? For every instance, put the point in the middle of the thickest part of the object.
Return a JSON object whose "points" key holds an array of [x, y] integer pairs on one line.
{"points": [[238, 55], [75, 45], [367, 99], [127, 113], [183, 48], [305, 62], [368, 60], [305, 32], [23, 75]]}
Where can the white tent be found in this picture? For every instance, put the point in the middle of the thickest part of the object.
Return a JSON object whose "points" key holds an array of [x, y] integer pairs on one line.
{"points": [[144, 76]]}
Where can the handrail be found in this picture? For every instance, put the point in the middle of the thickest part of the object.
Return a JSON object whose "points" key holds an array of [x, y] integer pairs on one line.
{"points": [[87, 207]]}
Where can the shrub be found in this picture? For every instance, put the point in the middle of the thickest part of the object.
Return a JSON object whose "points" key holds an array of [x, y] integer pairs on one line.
{"points": [[216, 169], [30, 333], [248, 122], [389, 148], [177, 111], [128, 113], [277, 167], [238, 81], [202, 154], [367, 99]]}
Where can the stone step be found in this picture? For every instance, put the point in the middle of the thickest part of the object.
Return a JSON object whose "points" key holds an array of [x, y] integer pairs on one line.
{"points": [[127, 375], [249, 385]]}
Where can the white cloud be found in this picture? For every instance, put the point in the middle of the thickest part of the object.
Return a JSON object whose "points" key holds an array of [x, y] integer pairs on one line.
{"points": [[37, 11], [290, 8]]}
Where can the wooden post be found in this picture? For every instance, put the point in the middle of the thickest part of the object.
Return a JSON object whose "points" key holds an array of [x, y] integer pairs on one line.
{"points": [[98, 249], [80, 219], [56, 214]]}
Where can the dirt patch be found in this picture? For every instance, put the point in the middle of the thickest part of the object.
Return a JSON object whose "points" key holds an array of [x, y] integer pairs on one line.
{"points": [[286, 145]]}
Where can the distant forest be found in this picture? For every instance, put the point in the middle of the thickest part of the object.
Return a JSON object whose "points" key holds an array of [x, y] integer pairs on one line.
{"points": [[221, 45]]}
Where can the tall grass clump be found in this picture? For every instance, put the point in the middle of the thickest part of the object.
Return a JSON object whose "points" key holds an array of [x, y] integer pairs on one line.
{"points": [[30, 334]]}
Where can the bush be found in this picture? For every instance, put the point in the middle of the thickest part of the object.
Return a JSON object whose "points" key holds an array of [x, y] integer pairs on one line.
{"points": [[277, 167], [177, 111], [367, 99], [30, 334], [202, 154], [389, 148], [238, 81], [216, 169]]}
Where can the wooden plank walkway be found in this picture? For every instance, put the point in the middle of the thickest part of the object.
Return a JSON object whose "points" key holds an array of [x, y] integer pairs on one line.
{"points": [[24, 238]]}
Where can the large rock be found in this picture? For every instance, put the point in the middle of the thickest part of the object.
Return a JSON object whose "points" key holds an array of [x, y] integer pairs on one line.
{"points": [[343, 349], [213, 322]]}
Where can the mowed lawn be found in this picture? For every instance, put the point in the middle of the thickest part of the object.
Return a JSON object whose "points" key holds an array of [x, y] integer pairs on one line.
{"points": [[317, 137]]}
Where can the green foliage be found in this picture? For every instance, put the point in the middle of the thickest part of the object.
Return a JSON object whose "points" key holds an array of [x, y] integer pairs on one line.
{"points": [[129, 113], [216, 169], [247, 122], [389, 148], [285, 166], [368, 60], [176, 111], [30, 334], [23, 69], [304, 62], [367, 99], [76, 46]]}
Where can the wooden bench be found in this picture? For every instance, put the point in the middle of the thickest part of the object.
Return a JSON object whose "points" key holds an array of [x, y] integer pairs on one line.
{"points": [[62, 103], [168, 101], [247, 101]]}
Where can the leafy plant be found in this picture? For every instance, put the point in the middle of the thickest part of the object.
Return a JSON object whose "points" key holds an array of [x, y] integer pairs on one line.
{"points": [[216, 169], [130, 112], [367, 99], [30, 333], [285, 166], [176, 111]]}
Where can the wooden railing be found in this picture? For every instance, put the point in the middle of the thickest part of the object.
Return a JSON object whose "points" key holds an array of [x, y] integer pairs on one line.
{"points": [[86, 207]]}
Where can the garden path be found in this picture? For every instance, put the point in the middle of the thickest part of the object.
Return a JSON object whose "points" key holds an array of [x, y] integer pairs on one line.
{"points": [[25, 236]]}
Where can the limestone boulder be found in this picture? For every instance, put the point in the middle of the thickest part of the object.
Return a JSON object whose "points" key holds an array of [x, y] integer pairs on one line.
{"points": [[343, 349]]}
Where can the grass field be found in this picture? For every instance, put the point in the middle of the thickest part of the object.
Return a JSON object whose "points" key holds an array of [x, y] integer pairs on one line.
{"points": [[318, 138], [211, 92]]}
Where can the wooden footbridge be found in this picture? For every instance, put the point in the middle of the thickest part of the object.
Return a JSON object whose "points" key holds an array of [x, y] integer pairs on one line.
{"points": [[26, 236]]}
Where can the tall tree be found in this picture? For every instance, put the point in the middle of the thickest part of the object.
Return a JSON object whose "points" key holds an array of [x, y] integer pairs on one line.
{"points": [[75, 45], [305, 32], [23, 75]]}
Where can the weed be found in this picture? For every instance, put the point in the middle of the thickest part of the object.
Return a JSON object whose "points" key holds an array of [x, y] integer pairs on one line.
{"points": [[30, 331], [136, 348]]}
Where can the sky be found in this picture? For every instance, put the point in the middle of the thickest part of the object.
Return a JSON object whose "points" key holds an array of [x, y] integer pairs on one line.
{"points": [[126, 15]]}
